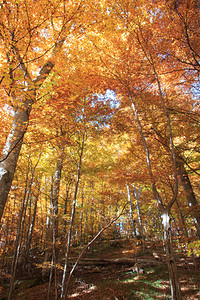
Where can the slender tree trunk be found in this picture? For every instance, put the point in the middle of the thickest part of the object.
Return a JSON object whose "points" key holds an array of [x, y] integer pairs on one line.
{"points": [[85, 226], [47, 241], [91, 217], [86, 247], [68, 185], [72, 220], [50, 280], [133, 231], [174, 281], [56, 189], [137, 197], [173, 274], [47, 217], [81, 217], [18, 239], [32, 223], [65, 209], [182, 219], [53, 269]]}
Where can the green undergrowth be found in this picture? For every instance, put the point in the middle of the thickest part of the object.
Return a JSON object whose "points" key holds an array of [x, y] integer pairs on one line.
{"points": [[152, 285]]}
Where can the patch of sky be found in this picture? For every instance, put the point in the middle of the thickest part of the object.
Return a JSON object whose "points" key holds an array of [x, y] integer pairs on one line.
{"points": [[108, 99], [195, 89], [36, 49], [9, 109], [109, 96], [45, 33], [163, 56]]}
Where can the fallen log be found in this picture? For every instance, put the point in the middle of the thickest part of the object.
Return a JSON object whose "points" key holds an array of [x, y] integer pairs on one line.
{"points": [[122, 261]]}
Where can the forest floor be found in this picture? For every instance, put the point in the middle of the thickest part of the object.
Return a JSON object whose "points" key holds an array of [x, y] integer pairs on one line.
{"points": [[98, 279]]}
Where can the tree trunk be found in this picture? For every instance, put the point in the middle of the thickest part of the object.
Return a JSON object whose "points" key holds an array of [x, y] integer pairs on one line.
{"points": [[53, 269], [68, 186], [72, 219], [81, 217], [47, 217], [56, 190], [11, 151], [189, 193], [47, 242], [133, 231], [171, 263], [28, 245], [18, 239], [184, 178], [137, 197], [174, 281]]}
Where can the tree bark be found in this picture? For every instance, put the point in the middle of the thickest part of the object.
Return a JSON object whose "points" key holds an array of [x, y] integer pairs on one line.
{"points": [[56, 190], [137, 197], [171, 263], [28, 245], [131, 212], [68, 187], [11, 151], [189, 193]]}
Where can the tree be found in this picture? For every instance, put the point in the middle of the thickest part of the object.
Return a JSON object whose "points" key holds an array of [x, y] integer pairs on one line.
{"points": [[20, 30]]}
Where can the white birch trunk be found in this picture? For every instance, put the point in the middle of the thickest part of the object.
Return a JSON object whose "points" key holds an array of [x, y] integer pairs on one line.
{"points": [[11, 151], [133, 231]]}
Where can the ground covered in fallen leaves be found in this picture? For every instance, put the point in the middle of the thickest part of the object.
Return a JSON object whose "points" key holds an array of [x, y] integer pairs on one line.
{"points": [[98, 279]]}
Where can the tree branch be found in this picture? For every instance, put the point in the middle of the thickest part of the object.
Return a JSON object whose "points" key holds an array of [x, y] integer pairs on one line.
{"points": [[86, 247]]}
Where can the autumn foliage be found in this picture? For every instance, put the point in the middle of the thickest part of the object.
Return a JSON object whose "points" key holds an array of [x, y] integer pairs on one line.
{"points": [[97, 97]]}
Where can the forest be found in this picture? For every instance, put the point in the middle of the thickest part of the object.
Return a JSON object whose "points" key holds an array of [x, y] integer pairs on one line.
{"points": [[99, 166]]}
